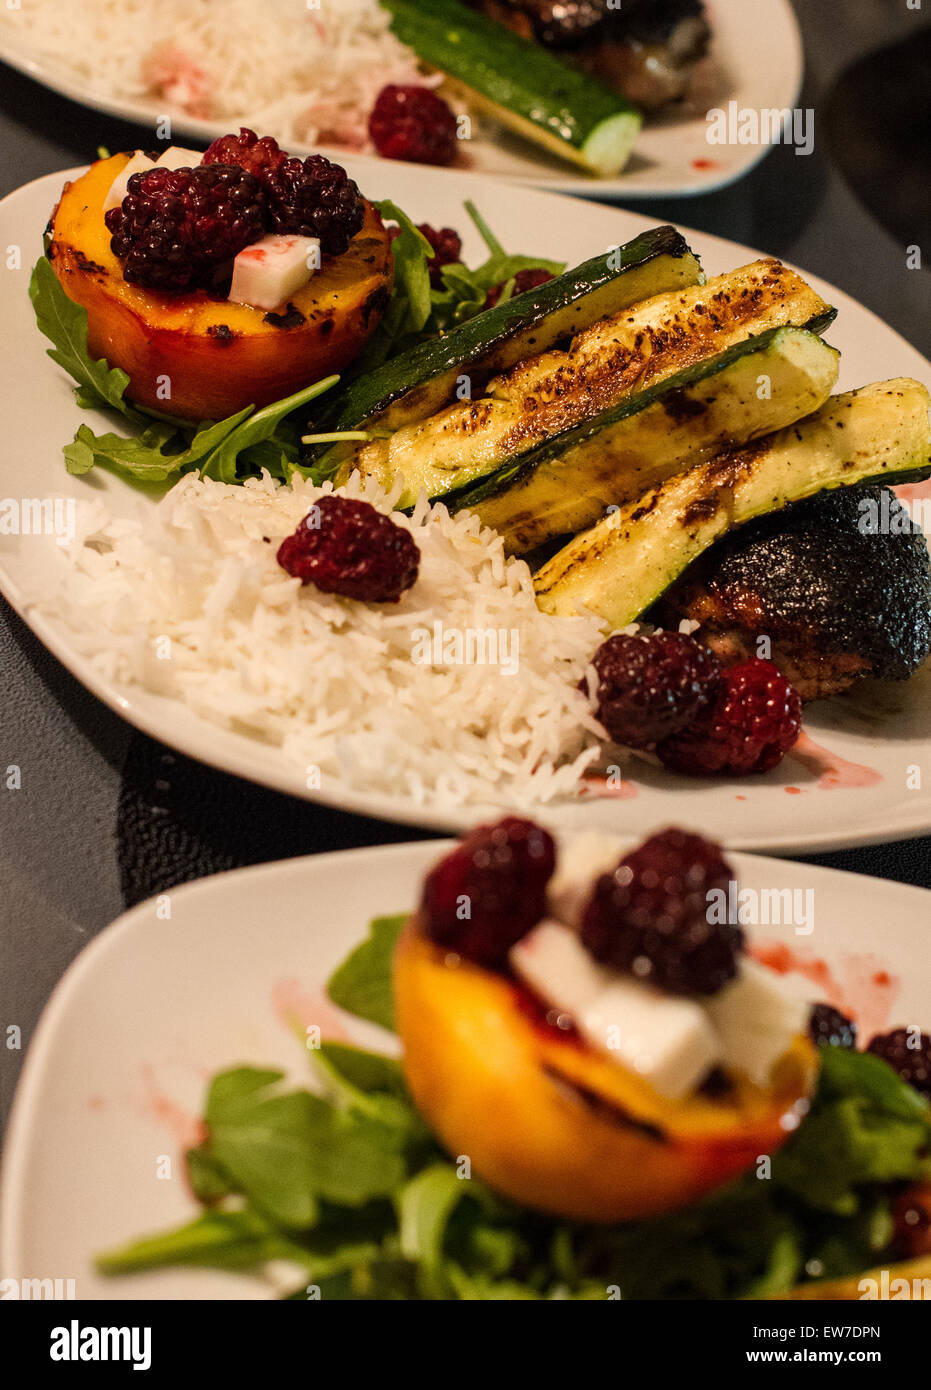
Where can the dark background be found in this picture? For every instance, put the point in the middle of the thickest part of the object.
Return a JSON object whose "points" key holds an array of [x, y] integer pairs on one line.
{"points": [[106, 817]]}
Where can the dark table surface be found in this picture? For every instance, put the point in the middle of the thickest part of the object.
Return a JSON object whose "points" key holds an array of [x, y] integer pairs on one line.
{"points": [[106, 817]]}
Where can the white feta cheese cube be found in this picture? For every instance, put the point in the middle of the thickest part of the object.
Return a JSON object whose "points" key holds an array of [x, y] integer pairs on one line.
{"points": [[269, 271], [552, 962], [581, 860], [756, 1018], [665, 1039], [176, 157], [118, 187]]}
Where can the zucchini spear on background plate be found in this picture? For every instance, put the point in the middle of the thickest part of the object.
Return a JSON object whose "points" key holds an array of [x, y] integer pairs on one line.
{"points": [[520, 84], [622, 565]]}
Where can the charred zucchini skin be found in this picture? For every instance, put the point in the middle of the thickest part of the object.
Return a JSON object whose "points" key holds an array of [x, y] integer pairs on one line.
{"points": [[420, 381], [618, 568]]}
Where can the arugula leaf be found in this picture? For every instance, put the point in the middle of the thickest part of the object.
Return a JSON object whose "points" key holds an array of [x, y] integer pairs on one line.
{"points": [[64, 323], [364, 1072], [249, 430], [491, 241], [287, 1150], [410, 304], [263, 438], [407, 317], [208, 1181], [79, 454], [217, 1239], [372, 1085], [166, 446], [144, 456], [424, 1208], [846, 1144], [844, 1070], [465, 291], [867, 1126], [417, 309], [362, 984]]}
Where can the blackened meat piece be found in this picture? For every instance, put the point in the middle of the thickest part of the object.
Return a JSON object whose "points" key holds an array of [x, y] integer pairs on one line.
{"points": [[840, 584], [646, 49], [559, 24]]}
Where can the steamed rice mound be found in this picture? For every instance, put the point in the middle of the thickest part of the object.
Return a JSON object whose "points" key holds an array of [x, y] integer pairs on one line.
{"points": [[193, 605]]}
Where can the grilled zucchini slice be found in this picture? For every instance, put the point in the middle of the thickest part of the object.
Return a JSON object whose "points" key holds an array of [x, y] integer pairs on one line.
{"points": [[566, 484], [618, 358], [422, 380], [618, 568]]}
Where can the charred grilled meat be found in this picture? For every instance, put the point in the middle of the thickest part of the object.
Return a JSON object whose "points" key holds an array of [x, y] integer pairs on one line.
{"points": [[646, 49], [839, 596]]}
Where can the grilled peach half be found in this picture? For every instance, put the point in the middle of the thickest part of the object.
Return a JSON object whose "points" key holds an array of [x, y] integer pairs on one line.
{"points": [[551, 1123], [214, 357]]}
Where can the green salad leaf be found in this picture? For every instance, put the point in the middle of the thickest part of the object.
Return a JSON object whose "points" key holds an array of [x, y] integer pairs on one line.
{"points": [[465, 291], [352, 1189], [418, 309], [869, 1127], [163, 446], [287, 1150], [362, 984], [410, 304], [148, 456], [218, 1239], [254, 428], [65, 324]]}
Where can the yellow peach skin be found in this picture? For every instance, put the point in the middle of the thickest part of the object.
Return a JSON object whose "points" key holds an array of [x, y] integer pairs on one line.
{"points": [[217, 356], [553, 1124]]}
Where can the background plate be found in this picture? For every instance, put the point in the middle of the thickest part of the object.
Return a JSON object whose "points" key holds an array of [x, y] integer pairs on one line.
{"points": [[117, 1070], [756, 60], [801, 806]]}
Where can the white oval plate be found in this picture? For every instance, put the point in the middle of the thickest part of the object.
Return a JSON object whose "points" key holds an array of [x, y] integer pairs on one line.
{"points": [[39, 416], [116, 1073], [756, 61]]}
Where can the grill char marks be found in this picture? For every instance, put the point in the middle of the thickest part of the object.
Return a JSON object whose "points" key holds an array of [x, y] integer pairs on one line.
{"points": [[837, 602]]}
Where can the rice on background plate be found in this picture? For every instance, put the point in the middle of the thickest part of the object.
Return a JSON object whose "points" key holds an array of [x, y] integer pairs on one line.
{"points": [[304, 73], [193, 605]]}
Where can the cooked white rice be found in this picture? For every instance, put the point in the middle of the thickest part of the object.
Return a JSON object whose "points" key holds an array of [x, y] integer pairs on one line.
{"points": [[193, 605], [306, 73]]}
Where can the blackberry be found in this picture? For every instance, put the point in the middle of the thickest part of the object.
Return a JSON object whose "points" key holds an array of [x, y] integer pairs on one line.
{"points": [[911, 1216], [908, 1052], [489, 891], [349, 548], [651, 687], [179, 229], [752, 722], [830, 1028], [413, 123], [650, 916], [447, 249], [524, 280], [248, 151], [313, 197]]}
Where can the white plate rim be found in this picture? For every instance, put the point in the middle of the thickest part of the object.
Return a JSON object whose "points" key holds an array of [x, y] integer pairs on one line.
{"points": [[30, 63], [242, 757]]}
